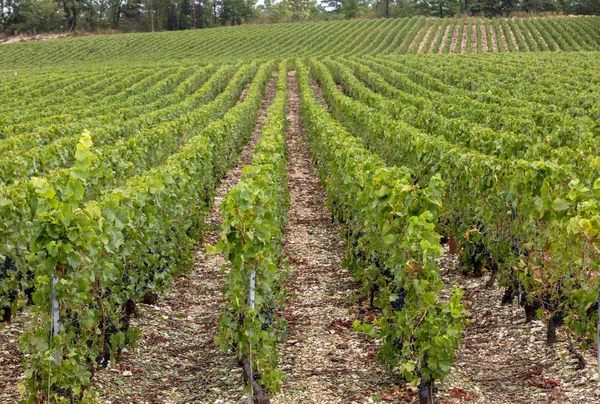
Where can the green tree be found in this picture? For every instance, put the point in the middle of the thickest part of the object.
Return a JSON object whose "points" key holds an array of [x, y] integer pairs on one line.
{"points": [[10, 15], [40, 16], [185, 14], [71, 10], [350, 8]]}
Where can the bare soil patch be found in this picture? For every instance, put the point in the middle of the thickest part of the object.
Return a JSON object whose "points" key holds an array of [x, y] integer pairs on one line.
{"points": [[434, 39], [424, 40], [484, 43], [463, 44], [504, 360], [494, 38], [513, 39], [444, 39], [454, 39], [45, 37]]}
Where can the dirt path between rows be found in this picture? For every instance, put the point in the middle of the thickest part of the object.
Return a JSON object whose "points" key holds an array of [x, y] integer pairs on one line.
{"points": [[454, 39], [484, 42], [434, 40], [463, 43], [474, 28], [503, 39], [177, 361], [445, 38], [324, 360], [512, 38], [523, 40], [494, 38], [413, 42], [424, 40], [504, 360]]}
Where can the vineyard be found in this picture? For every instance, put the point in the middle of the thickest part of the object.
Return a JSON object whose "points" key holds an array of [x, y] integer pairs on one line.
{"points": [[315, 39], [318, 212]]}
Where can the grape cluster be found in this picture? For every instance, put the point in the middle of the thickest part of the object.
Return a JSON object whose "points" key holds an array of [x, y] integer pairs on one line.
{"points": [[62, 392], [76, 324], [398, 304], [106, 293], [356, 238], [425, 387], [29, 291], [160, 266], [110, 329], [7, 266], [269, 314]]}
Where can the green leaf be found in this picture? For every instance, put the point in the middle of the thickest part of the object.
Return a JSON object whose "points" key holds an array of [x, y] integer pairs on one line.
{"points": [[560, 204]]}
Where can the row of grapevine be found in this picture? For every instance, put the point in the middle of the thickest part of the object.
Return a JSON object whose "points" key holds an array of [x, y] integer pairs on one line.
{"points": [[541, 122], [60, 102], [388, 222], [63, 85], [551, 91], [254, 218], [461, 131], [503, 35], [112, 165], [536, 220], [94, 258], [37, 160], [132, 97], [44, 130], [314, 39]]}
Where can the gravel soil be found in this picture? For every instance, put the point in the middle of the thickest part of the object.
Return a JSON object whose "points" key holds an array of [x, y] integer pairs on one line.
{"points": [[504, 360], [454, 39], [434, 39], [10, 358], [324, 360], [412, 43], [484, 44], [444, 39], [494, 38], [424, 40]]}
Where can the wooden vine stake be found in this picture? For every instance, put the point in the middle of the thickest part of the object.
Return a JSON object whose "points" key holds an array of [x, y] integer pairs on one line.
{"points": [[56, 319], [251, 299], [257, 393]]}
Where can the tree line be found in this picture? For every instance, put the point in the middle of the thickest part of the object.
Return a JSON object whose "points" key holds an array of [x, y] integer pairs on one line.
{"points": [[47, 16]]}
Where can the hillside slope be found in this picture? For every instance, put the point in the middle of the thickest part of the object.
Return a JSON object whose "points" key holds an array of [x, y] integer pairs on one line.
{"points": [[317, 39]]}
